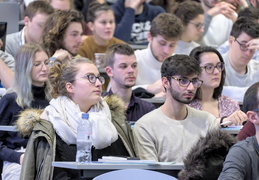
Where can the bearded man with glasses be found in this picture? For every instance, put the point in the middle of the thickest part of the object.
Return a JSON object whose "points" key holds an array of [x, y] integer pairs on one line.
{"points": [[241, 70], [169, 132]]}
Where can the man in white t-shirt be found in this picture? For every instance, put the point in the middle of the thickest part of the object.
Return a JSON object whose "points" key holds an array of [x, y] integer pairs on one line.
{"points": [[166, 30], [168, 133]]}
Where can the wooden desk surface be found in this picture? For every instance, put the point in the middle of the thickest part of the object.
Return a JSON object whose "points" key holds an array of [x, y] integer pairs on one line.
{"points": [[156, 101], [110, 165], [96, 168], [8, 128], [233, 129]]}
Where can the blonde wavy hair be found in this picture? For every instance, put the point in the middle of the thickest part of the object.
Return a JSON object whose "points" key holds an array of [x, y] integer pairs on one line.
{"points": [[62, 72], [22, 84]]}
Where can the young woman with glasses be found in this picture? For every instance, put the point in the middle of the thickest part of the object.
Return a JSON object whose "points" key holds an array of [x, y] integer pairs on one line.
{"points": [[213, 76], [30, 89], [76, 88], [192, 16]]}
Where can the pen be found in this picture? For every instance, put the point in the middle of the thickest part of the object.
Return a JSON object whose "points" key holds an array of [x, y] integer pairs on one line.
{"points": [[226, 122]]}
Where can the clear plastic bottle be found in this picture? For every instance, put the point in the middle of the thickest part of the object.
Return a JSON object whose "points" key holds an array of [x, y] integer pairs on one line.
{"points": [[84, 140]]}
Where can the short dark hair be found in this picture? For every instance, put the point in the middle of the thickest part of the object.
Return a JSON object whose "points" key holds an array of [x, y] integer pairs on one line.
{"points": [[123, 49], [251, 99], [188, 10], [247, 25], [38, 7], [250, 12], [196, 53], [181, 65], [166, 25], [55, 28], [95, 7]]}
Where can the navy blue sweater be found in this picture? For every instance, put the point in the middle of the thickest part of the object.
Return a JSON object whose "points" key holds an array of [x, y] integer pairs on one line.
{"points": [[9, 111], [133, 29]]}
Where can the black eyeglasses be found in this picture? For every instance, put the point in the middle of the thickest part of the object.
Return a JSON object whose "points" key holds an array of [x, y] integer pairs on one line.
{"points": [[243, 46], [209, 68], [199, 26], [184, 82], [92, 78]]}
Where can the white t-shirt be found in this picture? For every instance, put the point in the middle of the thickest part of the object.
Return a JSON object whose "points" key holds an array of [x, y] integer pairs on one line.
{"points": [[148, 68], [160, 138]]}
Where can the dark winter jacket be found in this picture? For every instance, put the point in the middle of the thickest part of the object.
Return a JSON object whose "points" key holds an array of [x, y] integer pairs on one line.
{"points": [[41, 148], [205, 159]]}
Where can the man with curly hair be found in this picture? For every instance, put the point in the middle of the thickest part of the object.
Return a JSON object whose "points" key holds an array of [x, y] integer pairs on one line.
{"points": [[62, 34]]}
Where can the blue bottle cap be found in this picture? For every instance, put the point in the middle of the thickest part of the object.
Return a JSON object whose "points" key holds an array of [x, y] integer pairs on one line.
{"points": [[85, 115]]}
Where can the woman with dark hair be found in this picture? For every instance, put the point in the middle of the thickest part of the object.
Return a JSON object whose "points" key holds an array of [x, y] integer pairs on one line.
{"points": [[192, 16], [213, 76], [101, 21]]}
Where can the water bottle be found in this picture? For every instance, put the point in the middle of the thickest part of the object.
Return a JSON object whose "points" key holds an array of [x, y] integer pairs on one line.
{"points": [[84, 140]]}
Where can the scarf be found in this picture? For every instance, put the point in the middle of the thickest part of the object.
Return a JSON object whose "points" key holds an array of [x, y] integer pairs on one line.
{"points": [[65, 115]]}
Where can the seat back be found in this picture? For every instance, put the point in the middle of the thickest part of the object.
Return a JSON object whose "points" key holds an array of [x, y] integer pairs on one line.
{"points": [[134, 174], [9, 12], [3, 30]]}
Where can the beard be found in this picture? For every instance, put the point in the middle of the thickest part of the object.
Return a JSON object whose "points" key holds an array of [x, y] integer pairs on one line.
{"points": [[177, 96], [128, 85]]}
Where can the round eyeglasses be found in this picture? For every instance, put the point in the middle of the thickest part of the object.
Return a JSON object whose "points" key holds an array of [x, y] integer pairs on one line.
{"points": [[92, 78], [184, 82], [243, 46], [199, 26], [209, 68]]}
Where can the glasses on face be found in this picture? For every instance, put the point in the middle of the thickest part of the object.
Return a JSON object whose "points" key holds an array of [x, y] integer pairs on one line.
{"points": [[210, 67], [92, 78], [199, 26], [184, 82], [40, 64], [243, 46]]}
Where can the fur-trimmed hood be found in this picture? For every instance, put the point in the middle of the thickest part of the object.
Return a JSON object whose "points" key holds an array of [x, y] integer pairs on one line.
{"points": [[117, 108], [205, 159], [29, 117], [27, 120]]}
